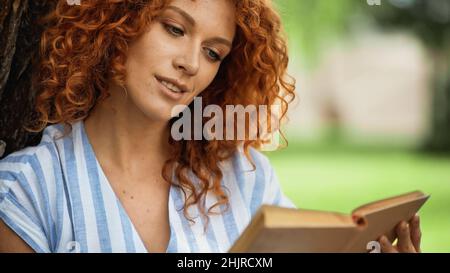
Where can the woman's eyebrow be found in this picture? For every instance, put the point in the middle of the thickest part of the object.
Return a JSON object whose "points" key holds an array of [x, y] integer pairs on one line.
{"points": [[220, 41], [186, 16], [191, 21]]}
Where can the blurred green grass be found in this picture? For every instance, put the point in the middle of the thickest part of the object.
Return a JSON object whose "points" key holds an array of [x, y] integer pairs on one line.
{"points": [[340, 177]]}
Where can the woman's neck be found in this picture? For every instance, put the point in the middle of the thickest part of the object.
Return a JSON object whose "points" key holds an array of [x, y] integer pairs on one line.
{"points": [[126, 139]]}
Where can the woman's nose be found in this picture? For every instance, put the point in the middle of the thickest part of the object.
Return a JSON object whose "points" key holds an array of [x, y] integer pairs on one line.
{"points": [[188, 62]]}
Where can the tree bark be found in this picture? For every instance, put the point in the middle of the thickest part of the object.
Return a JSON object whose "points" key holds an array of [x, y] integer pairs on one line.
{"points": [[439, 139], [19, 44]]}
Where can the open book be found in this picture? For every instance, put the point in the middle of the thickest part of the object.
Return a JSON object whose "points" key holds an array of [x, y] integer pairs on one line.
{"points": [[276, 229]]}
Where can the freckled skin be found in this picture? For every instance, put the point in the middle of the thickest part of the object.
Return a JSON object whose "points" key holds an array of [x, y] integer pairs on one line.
{"points": [[185, 58]]}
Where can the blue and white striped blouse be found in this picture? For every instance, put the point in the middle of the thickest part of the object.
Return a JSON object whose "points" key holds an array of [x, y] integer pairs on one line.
{"points": [[56, 197]]}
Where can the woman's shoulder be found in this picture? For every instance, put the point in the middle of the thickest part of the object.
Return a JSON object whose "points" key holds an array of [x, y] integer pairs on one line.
{"points": [[254, 161], [28, 176], [34, 157], [253, 180], [245, 168], [29, 189]]}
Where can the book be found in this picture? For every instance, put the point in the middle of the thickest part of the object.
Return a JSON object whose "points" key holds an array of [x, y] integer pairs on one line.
{"points": [[277, 229]]}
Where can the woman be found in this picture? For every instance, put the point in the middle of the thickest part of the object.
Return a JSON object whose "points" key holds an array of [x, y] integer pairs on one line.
{"points": [[108, 175]]}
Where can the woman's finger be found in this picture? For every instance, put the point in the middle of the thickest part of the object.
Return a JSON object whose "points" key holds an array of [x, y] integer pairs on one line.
{"points": [[386, 245], [416, 234], [404, 243]]}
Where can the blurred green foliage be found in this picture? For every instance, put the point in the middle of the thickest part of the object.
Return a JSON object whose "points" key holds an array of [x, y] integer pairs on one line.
{"points": [[429, 20], [310, 23]]}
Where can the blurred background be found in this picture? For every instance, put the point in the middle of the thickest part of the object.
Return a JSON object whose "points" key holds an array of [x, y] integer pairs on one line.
{"points": [[372, 115]]}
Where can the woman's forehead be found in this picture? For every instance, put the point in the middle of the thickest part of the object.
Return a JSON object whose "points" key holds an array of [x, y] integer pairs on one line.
{"points": [[216, 15]]}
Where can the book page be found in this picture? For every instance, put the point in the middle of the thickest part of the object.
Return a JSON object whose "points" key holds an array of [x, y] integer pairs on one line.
{"points": [[388, 202]]}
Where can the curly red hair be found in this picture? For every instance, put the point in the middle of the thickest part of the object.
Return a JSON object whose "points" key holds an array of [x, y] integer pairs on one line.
{"points": [[84, 46]]}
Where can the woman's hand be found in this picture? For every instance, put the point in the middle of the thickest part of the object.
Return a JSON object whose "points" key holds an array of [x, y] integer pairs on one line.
{"points": [[408, 234]]}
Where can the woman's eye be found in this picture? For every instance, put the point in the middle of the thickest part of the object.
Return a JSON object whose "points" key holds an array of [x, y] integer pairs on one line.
{"points": [[174, 30], [213, 55]]}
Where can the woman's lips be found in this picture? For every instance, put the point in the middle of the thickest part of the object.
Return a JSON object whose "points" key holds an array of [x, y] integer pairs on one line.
{"points": [[169, 93]]}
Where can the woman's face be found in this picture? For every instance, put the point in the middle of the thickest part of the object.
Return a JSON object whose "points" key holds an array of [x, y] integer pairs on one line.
{"points": [[179, 55]]}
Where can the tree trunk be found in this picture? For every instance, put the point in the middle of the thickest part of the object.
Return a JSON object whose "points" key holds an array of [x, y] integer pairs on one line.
{"points": [[19, 43], [439, 139]]}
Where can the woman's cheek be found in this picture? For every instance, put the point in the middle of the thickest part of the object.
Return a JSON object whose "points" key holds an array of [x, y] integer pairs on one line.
{"points": [[212, 72]]}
